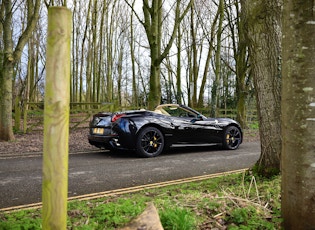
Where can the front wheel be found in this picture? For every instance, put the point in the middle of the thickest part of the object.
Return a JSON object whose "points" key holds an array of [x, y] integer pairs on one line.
{"points": [[150, 142], [232, 138]]}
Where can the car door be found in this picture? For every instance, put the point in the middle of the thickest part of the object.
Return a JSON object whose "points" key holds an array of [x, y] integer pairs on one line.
{"points": [[208, 130], [186, 128]]}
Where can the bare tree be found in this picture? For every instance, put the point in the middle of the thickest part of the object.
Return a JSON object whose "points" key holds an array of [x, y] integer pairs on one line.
{"points": [[152, 23], [178, 67], [210, 37], [239, 44], [195, 67], [10, 56], [133, 61], [214, 91], [198, 40]]}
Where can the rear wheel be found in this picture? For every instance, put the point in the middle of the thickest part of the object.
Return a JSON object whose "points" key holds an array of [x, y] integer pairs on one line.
{"points": [[232, 138], [150, 142]]}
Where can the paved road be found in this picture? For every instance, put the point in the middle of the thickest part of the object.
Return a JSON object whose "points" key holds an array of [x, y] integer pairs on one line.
{"points": [[20, 177]]}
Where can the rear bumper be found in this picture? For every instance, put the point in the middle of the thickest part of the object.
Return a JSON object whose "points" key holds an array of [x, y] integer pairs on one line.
{"points": [[101, 141]]}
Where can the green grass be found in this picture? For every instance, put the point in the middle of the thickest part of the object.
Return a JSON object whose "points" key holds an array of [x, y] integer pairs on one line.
{"points": [[232, 202], [254, 125]]}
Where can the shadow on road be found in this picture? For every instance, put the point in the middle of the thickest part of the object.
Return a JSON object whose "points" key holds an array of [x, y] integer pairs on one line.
{"points": [[174, 150]]}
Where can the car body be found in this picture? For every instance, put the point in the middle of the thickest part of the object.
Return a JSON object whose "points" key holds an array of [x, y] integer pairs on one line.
{"points": [[150, 132]]}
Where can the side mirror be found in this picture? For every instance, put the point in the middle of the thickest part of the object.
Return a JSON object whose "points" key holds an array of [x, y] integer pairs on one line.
{"points": [[198, 118]]}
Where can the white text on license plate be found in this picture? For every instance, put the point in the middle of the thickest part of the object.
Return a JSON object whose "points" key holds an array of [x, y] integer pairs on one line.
{"points": [[98, 130]]}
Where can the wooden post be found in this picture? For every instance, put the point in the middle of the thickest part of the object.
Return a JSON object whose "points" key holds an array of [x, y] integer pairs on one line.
{"points": [[56, 119]]}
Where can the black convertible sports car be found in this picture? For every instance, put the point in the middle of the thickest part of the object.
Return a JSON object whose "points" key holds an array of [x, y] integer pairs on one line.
{"points": [[150, 132]]}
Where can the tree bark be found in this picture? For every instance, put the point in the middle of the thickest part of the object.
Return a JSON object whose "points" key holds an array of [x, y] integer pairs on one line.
{"points": [[178, 67], [214, 91], [264, 39], [109, 52], [298, 115], [135, 100], [6, 131], [241, 57], [151, 25], [10, 58], [195, 66]]}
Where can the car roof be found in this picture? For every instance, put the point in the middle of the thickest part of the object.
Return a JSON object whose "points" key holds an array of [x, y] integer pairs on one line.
{"points": [[167, 105]]}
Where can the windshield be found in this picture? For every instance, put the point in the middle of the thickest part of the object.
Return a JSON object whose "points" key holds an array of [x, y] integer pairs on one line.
{"points": [[175, 111]]}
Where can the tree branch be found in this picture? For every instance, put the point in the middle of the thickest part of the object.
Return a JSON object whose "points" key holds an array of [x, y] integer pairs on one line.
{"points": [[133, 10], [27, 32], [178, 19]]}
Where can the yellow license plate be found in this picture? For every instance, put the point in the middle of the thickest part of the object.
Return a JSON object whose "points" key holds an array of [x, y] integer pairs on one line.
{"points": [[98, 131]]}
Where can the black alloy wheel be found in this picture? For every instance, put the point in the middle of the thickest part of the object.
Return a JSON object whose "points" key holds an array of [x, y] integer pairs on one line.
{"points": [[150, 142], [232, 138]]}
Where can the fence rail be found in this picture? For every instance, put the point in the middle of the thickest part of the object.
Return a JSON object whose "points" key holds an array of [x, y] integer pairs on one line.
{"points": [[81, 113]]}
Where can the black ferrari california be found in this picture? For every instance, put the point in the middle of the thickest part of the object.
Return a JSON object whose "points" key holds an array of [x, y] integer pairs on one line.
{"points": [[150, 132]]}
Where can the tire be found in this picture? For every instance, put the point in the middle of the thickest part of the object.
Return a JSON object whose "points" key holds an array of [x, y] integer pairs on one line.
{"points": [[232, 138], [150, 142]]}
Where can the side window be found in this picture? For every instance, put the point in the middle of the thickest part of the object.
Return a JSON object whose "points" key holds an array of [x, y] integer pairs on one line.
{"points": [[171, 111], [190, 114], [179, 112]]}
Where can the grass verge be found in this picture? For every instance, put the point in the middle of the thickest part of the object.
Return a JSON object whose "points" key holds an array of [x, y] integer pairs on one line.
{"points": [[239, 201]]}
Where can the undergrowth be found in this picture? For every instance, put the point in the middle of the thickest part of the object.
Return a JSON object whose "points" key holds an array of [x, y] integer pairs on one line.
{"points": [[229, 202]]}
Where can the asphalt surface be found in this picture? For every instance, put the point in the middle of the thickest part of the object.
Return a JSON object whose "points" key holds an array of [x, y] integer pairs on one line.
{"points": [[20, 176]]}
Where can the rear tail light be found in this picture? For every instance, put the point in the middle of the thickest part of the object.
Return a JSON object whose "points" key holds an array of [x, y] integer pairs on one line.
{"points": [[117, 116]]}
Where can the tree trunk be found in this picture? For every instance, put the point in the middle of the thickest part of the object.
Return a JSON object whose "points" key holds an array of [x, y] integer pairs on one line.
{"points": [[195, 66], [109, 57], [120, 74], [208, 60], [152, 19], [241, 68], [101, 54], [155, 87], [10, 58], [83, 59], [264, 40], [215, 91], [298, 115], [178, 67], [135, 101], [94, 59], [6, 131]]}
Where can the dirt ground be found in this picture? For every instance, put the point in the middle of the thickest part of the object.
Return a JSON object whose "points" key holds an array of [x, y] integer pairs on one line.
{"points": [[33, 142]]}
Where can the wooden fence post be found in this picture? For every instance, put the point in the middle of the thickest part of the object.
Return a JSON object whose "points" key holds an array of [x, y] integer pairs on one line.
{"points": [[56, 119]]}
